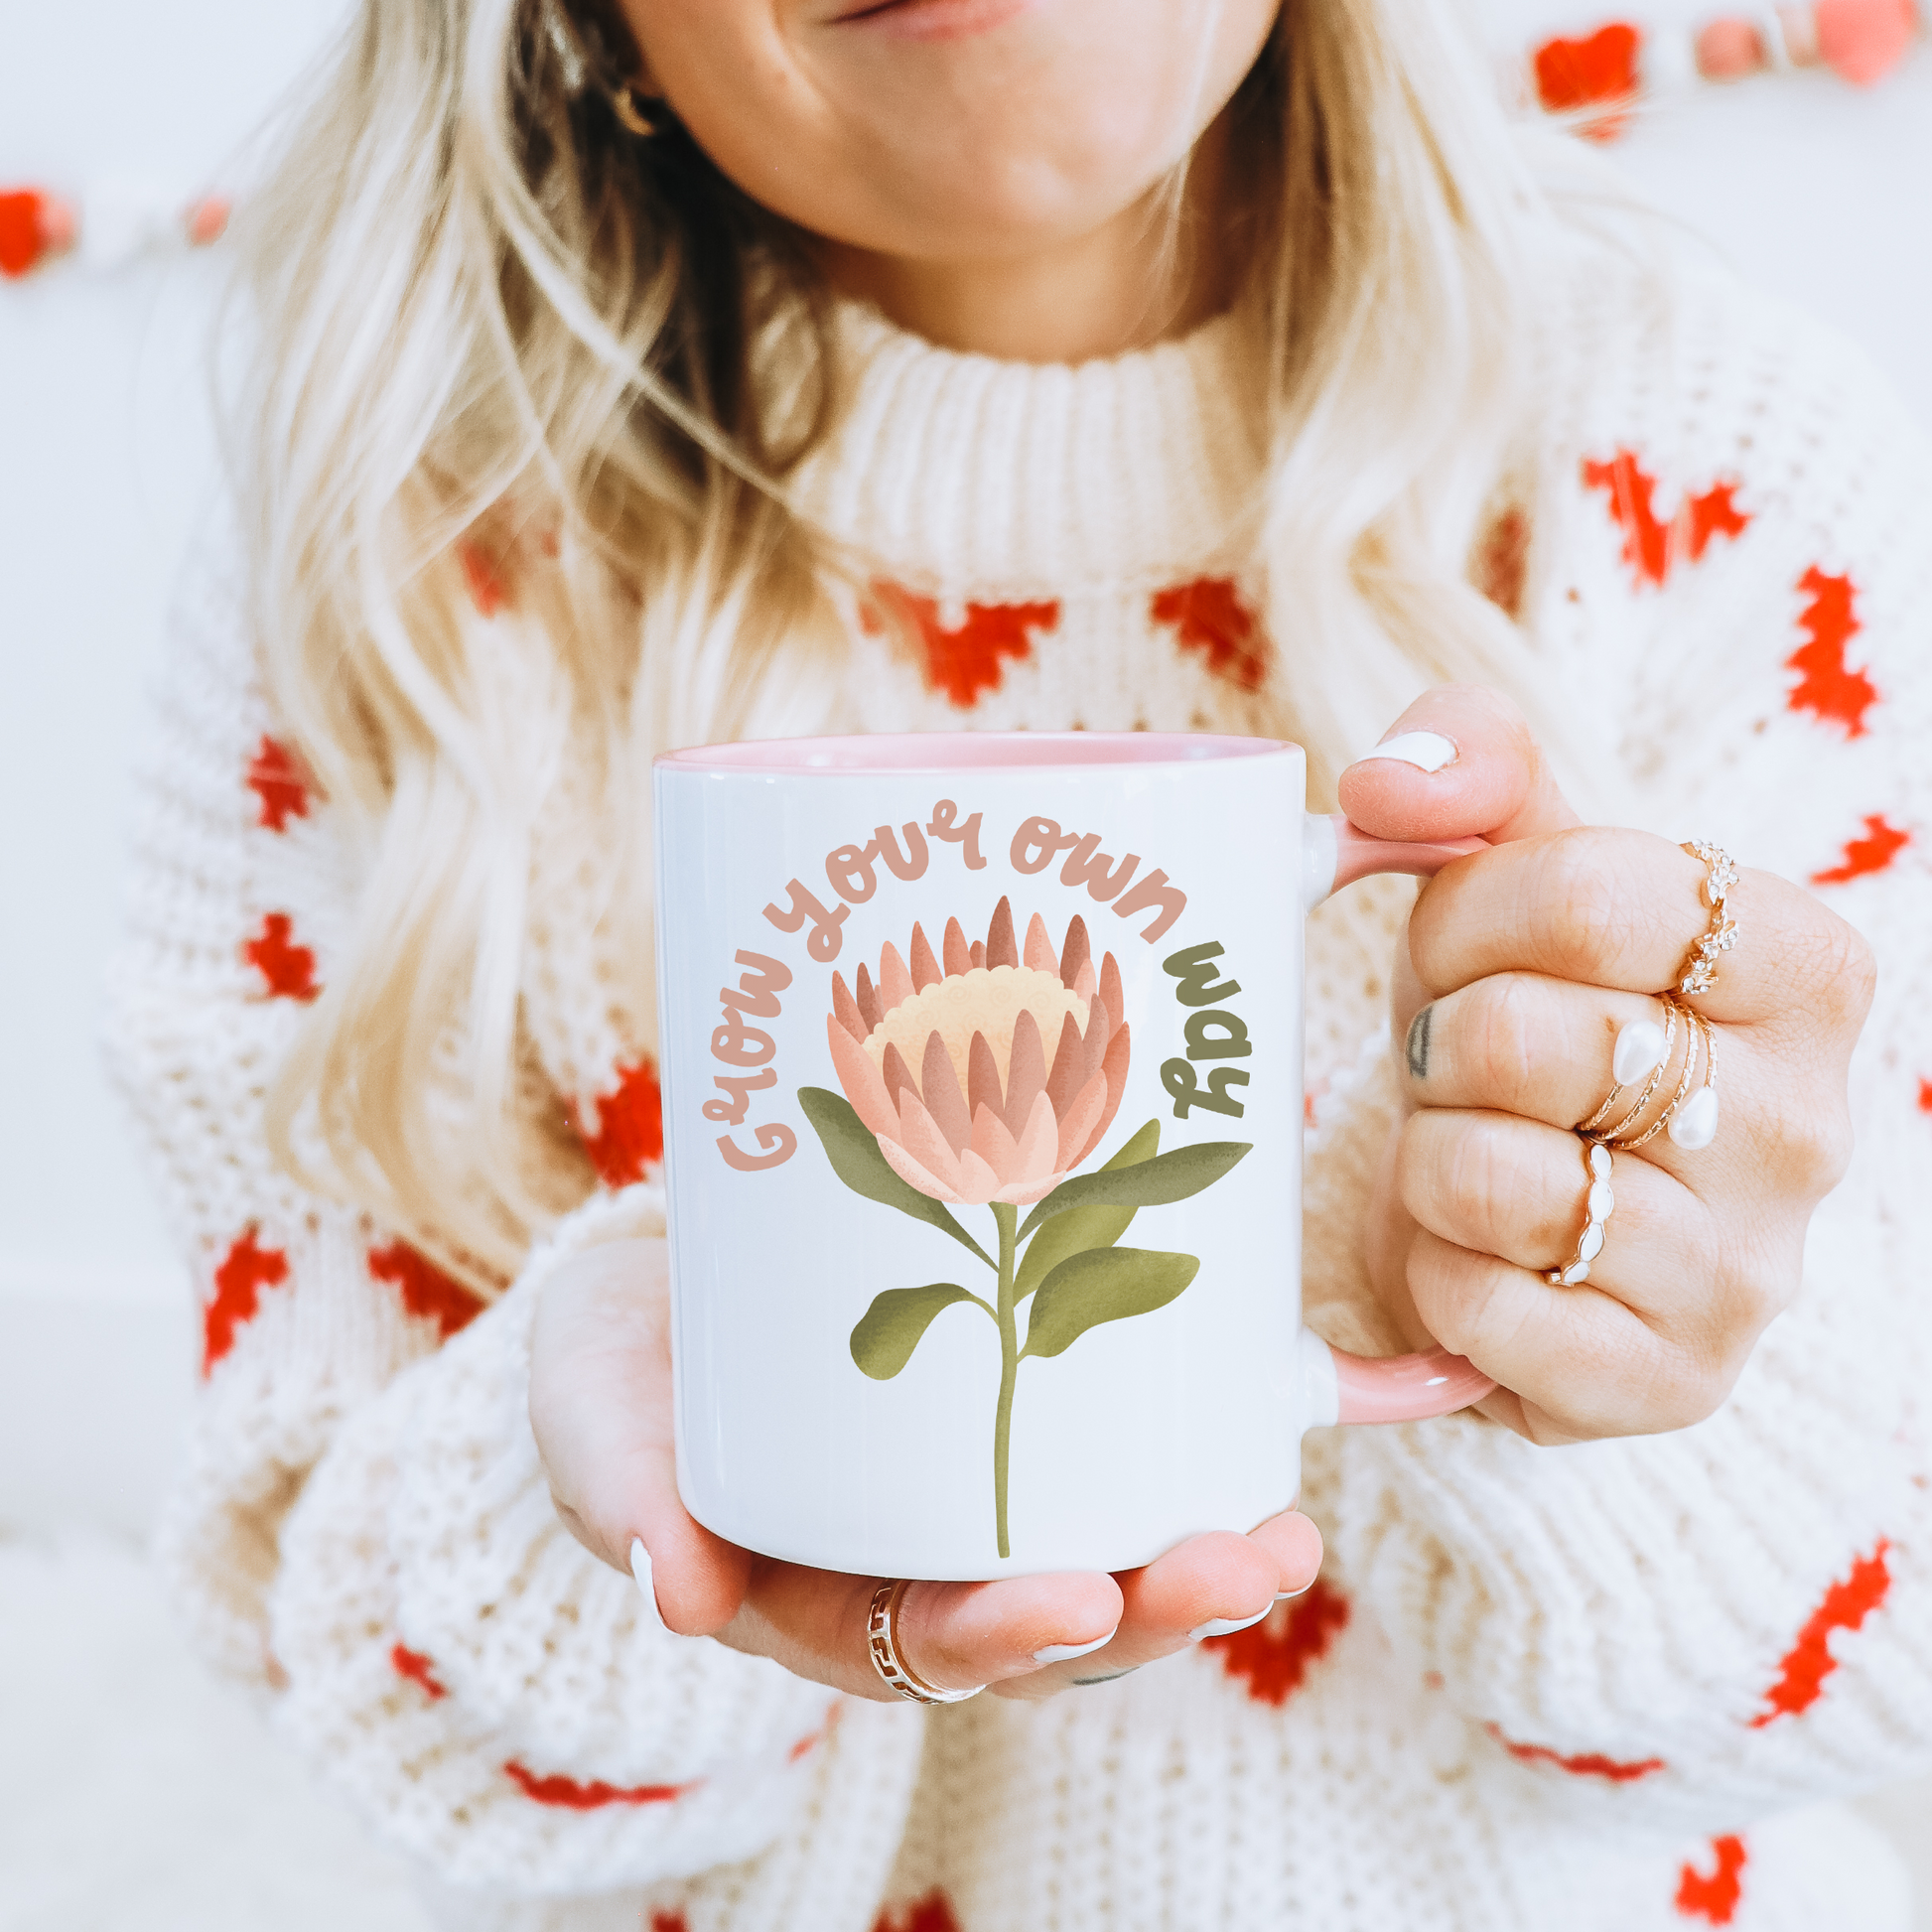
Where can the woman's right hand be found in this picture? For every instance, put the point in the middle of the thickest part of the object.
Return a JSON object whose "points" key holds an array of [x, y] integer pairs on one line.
{"points": [[601, 1407]]}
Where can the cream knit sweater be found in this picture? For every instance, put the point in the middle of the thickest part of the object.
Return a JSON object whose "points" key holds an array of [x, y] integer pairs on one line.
{"points": [[1606, 1687]]}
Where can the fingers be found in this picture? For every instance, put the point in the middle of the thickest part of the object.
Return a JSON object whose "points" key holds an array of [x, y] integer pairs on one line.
{"points": [[1495, 782], [1547, 1050], [1515, 1189], [600, 1412], [1206, 1587], [1522, 1043], [1622, 909], [953, 1636], [1671, 1309]]}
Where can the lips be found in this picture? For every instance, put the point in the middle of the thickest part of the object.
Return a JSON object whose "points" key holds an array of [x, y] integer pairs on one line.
{"points": [[933, 20]]}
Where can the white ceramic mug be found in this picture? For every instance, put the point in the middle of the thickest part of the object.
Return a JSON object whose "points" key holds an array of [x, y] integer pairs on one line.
{"points": [[983, 1106]]}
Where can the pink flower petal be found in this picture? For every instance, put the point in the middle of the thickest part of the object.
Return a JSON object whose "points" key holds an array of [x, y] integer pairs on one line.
{"points": [[1079, 1121], [1093, 1043], [1038, 1150], [1039, 952], [926, 969], [977, 1181], [920, 1134], [993, 1145], [1074, 954], [1001, 950], [1025, 1071], [894, 982], [846, 1009], [897, 1075], [1115, 1068], [976, 952], [868, 999], [909, 1172], [1084, 982], [1062, 1082], [1022, 1194], [940, 1088], [958, 955], [1110, 989], [860, 1080], [982, 1077]]}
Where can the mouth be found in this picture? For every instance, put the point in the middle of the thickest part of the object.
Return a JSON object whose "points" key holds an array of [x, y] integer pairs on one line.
{"points": [[931, 20]]}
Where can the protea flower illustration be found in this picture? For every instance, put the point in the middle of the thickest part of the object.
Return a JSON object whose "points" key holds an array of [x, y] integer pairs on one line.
{"points": [[993, 1079], [989, 1079]]}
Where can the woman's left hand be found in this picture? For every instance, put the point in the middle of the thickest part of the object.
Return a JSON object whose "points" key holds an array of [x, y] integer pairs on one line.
{"points": [[1521, 966]]}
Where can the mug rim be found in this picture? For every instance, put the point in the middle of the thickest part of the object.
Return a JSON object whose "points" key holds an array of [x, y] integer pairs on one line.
{"points": [[909, 753]]}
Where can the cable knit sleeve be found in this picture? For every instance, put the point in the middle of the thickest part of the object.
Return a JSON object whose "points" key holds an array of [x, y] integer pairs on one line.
{"points": [[1697, 1628], [361, 1521]]}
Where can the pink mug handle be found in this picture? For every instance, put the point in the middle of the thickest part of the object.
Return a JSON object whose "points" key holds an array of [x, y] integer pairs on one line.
{"points": [[1338, 1387]]}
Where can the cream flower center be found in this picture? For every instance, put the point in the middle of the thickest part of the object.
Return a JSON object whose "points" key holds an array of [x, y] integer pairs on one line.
{"points": [[986, 1001]]}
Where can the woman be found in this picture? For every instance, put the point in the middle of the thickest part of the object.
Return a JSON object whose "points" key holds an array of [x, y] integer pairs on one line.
{"points": [[647, 373]]}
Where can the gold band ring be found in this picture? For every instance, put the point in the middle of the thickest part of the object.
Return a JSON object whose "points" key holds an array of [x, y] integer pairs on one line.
{"points": [[882, 1645]]}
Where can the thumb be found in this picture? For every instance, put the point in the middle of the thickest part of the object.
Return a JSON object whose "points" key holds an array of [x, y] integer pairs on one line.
{"points": [[1460, 762]]}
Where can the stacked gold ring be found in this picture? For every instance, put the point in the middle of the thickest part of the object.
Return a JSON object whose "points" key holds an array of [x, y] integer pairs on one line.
{"points": [[1690, 1119]]}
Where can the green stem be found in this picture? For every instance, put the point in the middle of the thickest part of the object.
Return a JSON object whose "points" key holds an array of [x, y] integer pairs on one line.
{"points": [[1005, 1216]]}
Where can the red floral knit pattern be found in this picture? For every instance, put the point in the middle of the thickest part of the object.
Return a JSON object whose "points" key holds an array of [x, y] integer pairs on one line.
{"points": [[1882, 844], [571, 1795], [277, 782], [1584, 1764], [629, 1136], [417, 1670], [288, 971], [483, 580], [1207, 615], [1653, 546], [932, 1913], [1825, 687], [245, 1271], [1809, 1661], [967, 660], [1274, 1657], [426, 1291], [1714, 1895]]}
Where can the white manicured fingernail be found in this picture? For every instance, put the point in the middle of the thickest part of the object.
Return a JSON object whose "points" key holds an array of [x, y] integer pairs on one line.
{"points": [[1694, 1124], [1426, 751], [1058, 1653], [641, 1568], [1224, 1626], [1639, 1046], [1285, 1595]]}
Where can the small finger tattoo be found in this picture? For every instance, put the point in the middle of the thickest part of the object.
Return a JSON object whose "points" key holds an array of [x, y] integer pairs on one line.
{"points": [[1418, 1047], [1108, 1678]]}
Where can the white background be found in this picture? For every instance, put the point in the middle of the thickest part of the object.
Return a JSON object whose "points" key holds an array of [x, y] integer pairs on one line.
{"points": [[106, 457]]}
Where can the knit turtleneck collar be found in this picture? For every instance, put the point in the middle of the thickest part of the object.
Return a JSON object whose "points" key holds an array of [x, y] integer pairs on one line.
{"points": [[1020, 479]]}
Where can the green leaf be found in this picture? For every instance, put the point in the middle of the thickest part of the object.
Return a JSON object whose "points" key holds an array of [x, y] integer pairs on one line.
{"points": [[1102, 1285], [853, 1150], [1084, 1227], [1148, 1183], [889, 1331]]}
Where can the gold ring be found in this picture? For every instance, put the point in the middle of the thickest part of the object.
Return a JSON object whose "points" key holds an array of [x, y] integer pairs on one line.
{"points": [[1692, 1119], [882, 1645], [1699, 969], [1598, 1203]]}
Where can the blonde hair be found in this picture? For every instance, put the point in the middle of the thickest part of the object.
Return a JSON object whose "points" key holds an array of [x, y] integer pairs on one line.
{"points": [[495, 322]]}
